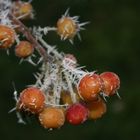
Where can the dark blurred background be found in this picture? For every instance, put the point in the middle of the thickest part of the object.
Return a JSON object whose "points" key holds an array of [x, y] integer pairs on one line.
{"points": [[109, 43]]}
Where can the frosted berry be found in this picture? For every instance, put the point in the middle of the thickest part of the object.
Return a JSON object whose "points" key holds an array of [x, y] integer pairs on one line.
{"points": [[22, 9], [111, 83], [26, 8], [66, 97], [31, 99], [52, 117], [7, 36], [70, 60], [90, 86], [96, 108], [76, 114], [66, 27], [24, 49]]}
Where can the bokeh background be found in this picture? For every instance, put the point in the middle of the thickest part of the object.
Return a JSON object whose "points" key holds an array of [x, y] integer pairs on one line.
{"points": [[109, 43]]}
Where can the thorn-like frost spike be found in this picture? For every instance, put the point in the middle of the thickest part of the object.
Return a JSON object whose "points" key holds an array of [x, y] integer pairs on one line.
{"points": [[20, 119]]}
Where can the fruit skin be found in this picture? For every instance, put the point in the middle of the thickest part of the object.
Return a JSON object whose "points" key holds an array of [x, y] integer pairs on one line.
{"points": [[76, 114], [111, 83], [7, 36], [90, 86], [52, 117], [24, 9], [66, 97], [96, 108], [24, 49], [31, 99], [66, 27]]}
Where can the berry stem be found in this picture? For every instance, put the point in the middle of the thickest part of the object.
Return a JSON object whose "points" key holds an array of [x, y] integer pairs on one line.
{"points": [[50, 48], [45, 30]]}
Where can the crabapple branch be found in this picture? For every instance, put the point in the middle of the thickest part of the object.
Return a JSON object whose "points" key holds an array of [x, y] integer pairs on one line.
{"points": [[63, 90]]}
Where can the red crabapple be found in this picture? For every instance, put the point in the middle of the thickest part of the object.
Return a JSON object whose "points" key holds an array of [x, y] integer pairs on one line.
{"points": [[31, 99], [111, 83], [96, 108], [7, 36], [66, 27], [90, 86], [76, 114], [52, 117], [24, 49]]}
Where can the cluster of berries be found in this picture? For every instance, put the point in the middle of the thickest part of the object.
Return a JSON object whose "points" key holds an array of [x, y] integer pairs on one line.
{"points": [[9, 30], [62, 91], [7, 39], [89, 105]]}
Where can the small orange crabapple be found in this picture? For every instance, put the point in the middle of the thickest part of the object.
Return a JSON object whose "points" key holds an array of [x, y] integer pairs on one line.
{"points": [[7, 36], [111, 83], [24, 10], [52, 117], [66, 27], [96, 108], [66, 97], [24, 49], [89, 87], [32, 100]]}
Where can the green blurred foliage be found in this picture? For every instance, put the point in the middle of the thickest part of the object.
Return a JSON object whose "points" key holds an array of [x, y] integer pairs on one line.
{"points": [[110, 43]]}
